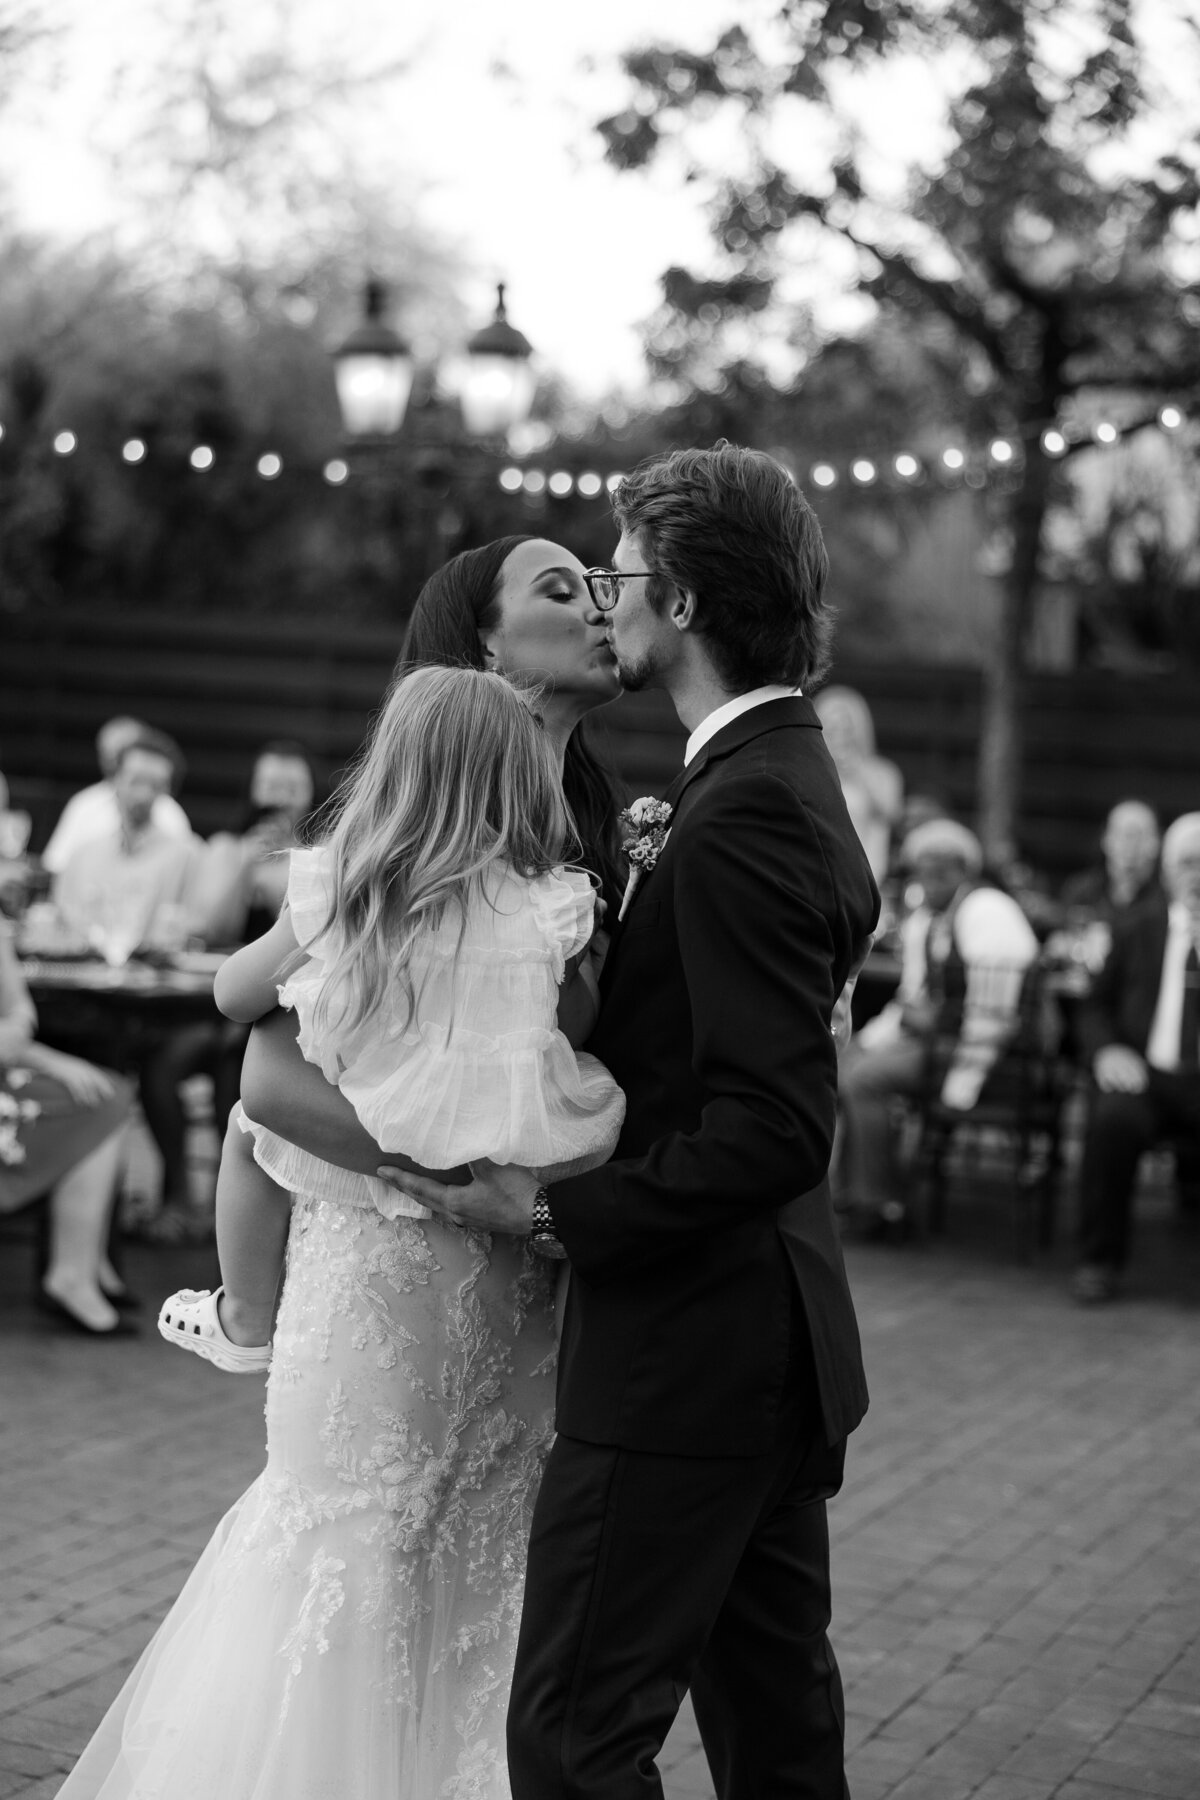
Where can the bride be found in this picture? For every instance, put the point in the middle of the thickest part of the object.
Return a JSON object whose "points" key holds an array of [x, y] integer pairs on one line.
{"points": [[349, 1632]]}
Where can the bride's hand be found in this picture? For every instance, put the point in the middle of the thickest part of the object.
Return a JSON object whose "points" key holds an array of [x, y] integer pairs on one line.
{"points": [[499, 1197]]}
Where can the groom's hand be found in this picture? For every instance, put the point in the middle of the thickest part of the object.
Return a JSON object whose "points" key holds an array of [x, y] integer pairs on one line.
{"points": [[498, 1198]]}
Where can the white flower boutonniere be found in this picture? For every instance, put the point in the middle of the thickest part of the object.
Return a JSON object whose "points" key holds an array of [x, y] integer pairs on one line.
{"points": [[645, 828]]}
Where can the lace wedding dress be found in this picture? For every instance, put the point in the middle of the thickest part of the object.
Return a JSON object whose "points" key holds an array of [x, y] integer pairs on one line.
{"points": [[349, 1632]]}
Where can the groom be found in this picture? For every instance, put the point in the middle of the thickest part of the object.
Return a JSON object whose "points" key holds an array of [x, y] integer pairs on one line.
{"points": [[710, 1368]]}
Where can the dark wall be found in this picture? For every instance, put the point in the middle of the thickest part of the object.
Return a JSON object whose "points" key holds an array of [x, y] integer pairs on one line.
{"points": [[221, 686]]}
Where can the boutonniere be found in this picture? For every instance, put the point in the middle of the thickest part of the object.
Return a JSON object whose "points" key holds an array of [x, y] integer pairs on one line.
{"points": [[645, 827]]}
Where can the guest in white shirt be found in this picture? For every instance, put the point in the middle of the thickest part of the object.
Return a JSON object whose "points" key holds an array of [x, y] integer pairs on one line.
{"points": [[1140, 1031], [964, 954], [93, 812]]}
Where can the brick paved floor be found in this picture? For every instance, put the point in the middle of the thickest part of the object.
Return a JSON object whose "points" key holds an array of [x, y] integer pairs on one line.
{"points": [[1017, 1549]]}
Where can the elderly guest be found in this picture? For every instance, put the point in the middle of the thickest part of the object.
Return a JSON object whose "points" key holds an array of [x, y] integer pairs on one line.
{"points": [[1128, 875], [1140, 1029], [964, 953]]}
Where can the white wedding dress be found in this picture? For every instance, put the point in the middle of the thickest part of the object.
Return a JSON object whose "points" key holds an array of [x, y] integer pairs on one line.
{"points": [[349, 1632]]}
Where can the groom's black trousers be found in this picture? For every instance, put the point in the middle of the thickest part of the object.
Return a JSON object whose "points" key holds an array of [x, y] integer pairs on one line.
{"points": [[650, 1575]]}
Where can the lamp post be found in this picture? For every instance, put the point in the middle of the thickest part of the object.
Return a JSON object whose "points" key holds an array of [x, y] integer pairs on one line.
{"points": [[374, 371], [425, 462], [498, 385]]}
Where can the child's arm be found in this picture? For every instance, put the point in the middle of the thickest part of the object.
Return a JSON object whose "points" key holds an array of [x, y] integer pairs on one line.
{"points": [[247, 982], [578, 999]]}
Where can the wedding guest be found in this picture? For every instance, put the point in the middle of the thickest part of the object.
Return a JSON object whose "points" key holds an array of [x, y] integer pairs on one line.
{"points": [[61, 1129], [135, 888], [244, 876], [115, 888], [241, 880], [93, 812], [1140, 1029], [1127, 875], [15, 870], [873, 787], [964, 952]]}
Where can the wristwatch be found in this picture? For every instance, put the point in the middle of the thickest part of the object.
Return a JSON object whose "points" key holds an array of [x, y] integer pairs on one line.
{"points": [[542, 1236]]}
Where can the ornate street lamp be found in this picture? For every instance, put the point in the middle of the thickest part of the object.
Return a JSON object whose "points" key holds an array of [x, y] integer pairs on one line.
{"points": [[373, 370], [498, 380]]}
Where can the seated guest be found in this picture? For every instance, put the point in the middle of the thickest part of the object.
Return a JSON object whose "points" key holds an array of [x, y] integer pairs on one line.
{"points": [[135, 888], [62, 1124], [241, 887], [92, 812], [1128, 874], [873, 788], [128, 888], [964, 953], [1140, 1030], [245, 872]]}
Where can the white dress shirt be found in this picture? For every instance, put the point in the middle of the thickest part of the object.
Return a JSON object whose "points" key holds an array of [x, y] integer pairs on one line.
{"points": [[93, 813], [1162, 1050], [733, 709]]}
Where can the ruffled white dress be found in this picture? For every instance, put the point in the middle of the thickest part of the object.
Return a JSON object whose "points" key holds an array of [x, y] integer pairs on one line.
{"points": [[350, 1630], [479, 1068]]}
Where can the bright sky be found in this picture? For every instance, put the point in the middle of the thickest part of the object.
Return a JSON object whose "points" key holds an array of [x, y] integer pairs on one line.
{"points": [[508, 162], [493, 127]]}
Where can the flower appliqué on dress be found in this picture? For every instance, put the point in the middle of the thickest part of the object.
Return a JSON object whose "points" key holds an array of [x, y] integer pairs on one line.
{"points": [[645, 827]]}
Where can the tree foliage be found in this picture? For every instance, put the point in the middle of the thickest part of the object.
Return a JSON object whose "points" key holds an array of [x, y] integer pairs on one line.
{"points": [[1051, 229]]}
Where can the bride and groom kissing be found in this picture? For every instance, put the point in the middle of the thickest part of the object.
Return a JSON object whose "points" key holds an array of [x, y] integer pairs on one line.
{"points": [[442, 1553]]}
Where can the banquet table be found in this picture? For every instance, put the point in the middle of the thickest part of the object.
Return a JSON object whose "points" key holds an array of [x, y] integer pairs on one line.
{"points": [[111, 1013]]}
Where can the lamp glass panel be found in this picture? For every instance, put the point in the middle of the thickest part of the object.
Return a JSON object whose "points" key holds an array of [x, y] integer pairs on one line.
{"points": [[496, 393], [373, 393]]}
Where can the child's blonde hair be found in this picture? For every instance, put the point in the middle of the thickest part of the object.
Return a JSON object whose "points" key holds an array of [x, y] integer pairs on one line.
{"points": [[456, 777]]}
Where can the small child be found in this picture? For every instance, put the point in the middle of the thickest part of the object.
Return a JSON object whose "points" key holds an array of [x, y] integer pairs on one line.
{"points": [[429, 946]]}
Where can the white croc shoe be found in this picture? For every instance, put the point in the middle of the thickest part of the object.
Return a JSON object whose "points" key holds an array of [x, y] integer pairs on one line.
{"points": [[190, 1320]]}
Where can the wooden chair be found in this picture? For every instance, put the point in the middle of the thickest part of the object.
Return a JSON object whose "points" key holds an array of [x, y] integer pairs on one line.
{"points": [[1021, 1101]]}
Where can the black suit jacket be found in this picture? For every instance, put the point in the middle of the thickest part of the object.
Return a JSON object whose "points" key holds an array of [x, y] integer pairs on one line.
{"points": [[690, 1250], [1120, 1008]]}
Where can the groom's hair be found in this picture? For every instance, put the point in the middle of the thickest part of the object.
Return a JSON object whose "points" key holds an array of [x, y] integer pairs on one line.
{"points": [[731, 525]]}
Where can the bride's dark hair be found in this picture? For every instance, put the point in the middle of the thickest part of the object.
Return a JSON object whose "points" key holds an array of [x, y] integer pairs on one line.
{"points": [[457, 603]]}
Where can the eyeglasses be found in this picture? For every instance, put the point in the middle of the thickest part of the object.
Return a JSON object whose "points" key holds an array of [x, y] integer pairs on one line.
{"points": [[604, 585]]}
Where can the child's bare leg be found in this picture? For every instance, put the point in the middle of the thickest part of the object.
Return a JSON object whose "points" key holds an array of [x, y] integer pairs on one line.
{"points": [[253, 1216]]}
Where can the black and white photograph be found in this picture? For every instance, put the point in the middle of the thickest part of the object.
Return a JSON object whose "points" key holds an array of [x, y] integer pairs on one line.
{"points": [[599, 900]]}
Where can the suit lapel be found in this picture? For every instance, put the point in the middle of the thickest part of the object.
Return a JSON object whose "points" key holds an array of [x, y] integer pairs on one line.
{"points": [[772, 715]]}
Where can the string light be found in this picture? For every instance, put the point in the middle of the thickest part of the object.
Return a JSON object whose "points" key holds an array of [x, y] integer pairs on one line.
{"points": [[971, 463]]}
